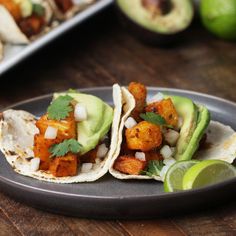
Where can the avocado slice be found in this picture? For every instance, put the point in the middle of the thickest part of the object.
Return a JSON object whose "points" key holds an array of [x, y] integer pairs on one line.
{"points": [[203, 121], [195, 121], [159, 17], [100, 116]]}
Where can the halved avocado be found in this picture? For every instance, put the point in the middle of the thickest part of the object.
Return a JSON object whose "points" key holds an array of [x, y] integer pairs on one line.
{"points": [[196, 118], [157, 21]]}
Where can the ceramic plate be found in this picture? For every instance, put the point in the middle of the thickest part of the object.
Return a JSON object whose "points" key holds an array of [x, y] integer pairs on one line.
{"points": [[111, 198]]}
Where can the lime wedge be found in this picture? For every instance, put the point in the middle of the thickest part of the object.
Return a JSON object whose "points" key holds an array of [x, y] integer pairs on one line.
{"points": [[208, 172], [174, 176]]}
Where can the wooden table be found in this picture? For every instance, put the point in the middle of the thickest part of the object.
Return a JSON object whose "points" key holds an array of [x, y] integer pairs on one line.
{"points": [[101, 53]]}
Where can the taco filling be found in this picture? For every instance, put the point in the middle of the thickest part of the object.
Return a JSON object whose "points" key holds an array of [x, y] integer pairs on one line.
{"points": [[72, 142], [31, 16], [157, 133]]}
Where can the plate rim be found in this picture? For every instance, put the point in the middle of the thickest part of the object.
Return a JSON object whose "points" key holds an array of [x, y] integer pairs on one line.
{"points": [[100, 88]]}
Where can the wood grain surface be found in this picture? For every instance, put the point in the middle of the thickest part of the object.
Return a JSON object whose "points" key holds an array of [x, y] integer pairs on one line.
{"points": [[100, 53]]}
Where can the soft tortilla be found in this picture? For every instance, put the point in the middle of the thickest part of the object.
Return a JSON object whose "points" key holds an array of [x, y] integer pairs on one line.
{"points": [[9, 30], [17, 129], [222, 140]]}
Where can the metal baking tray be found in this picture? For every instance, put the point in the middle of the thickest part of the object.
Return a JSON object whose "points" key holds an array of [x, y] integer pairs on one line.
{"points": [[17, 53]]}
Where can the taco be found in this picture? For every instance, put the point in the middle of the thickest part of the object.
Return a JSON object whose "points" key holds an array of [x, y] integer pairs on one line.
{"points": [[73, 142], [156, 133], [65, 9], [22, 20]]}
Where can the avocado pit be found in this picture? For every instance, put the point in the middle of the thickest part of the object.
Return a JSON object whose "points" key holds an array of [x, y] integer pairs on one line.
{"points": [[157, 7]]}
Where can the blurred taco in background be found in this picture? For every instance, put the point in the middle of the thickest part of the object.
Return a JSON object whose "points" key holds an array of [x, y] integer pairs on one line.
{"points": [[65, 9], [73, 142], [21, 20], [155, 133]]}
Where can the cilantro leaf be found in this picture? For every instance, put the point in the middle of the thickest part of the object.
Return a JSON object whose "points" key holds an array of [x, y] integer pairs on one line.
{"points": [[60, 108], [61, 149], [153, 118], [38, 9], [154, 168]]}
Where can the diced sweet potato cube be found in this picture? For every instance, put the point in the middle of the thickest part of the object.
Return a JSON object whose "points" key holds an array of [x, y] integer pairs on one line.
{"points": [[139, 92], [144, 136], [129, 165], [66, 128], [42, 145], [166, 109], [31, 25], [153, 155], [64, 166]]}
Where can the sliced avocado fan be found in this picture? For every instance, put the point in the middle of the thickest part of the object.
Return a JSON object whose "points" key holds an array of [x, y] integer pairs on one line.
{"points": [[196, 118]]}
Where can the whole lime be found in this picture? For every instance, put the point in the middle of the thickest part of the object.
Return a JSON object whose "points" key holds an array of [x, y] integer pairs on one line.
{"points": [[219, 17]]}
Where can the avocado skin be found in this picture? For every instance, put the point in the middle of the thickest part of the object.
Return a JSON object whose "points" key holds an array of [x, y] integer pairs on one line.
{"points": [[147, 36], [196, 119]]}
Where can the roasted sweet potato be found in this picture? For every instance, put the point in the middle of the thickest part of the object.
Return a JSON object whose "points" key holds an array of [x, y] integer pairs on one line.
{"points": [[166, 109], [153, 155], [129, 165], [31, 25], [66, 128], [41, 149], [64, 166], [139, 92], [64, 5], [13, 8], [144, 136]]}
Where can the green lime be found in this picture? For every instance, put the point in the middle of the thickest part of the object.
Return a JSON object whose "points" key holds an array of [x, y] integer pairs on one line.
{"points": [[174, 176], [208, 172], [219, 17]]}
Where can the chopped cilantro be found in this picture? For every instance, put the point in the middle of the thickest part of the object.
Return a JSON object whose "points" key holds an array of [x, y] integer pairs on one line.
{"points": [[153, 118], [38, 9], [60, 108], [68, 145], [154, 168]]}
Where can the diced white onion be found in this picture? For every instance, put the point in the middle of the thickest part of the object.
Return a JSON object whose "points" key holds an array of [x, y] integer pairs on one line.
{"points": [[173, 149], [156, 98], [171, 136], [165, 151], [34, 164], [169, 161], [102, 150], [163, 172], [50, 133], [86, 167], [80, 112], [180, 123], [140, 156], [130, 123]]}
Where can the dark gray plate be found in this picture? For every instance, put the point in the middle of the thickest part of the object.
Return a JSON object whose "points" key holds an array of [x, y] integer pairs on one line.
{"points": [[109, 197]]}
